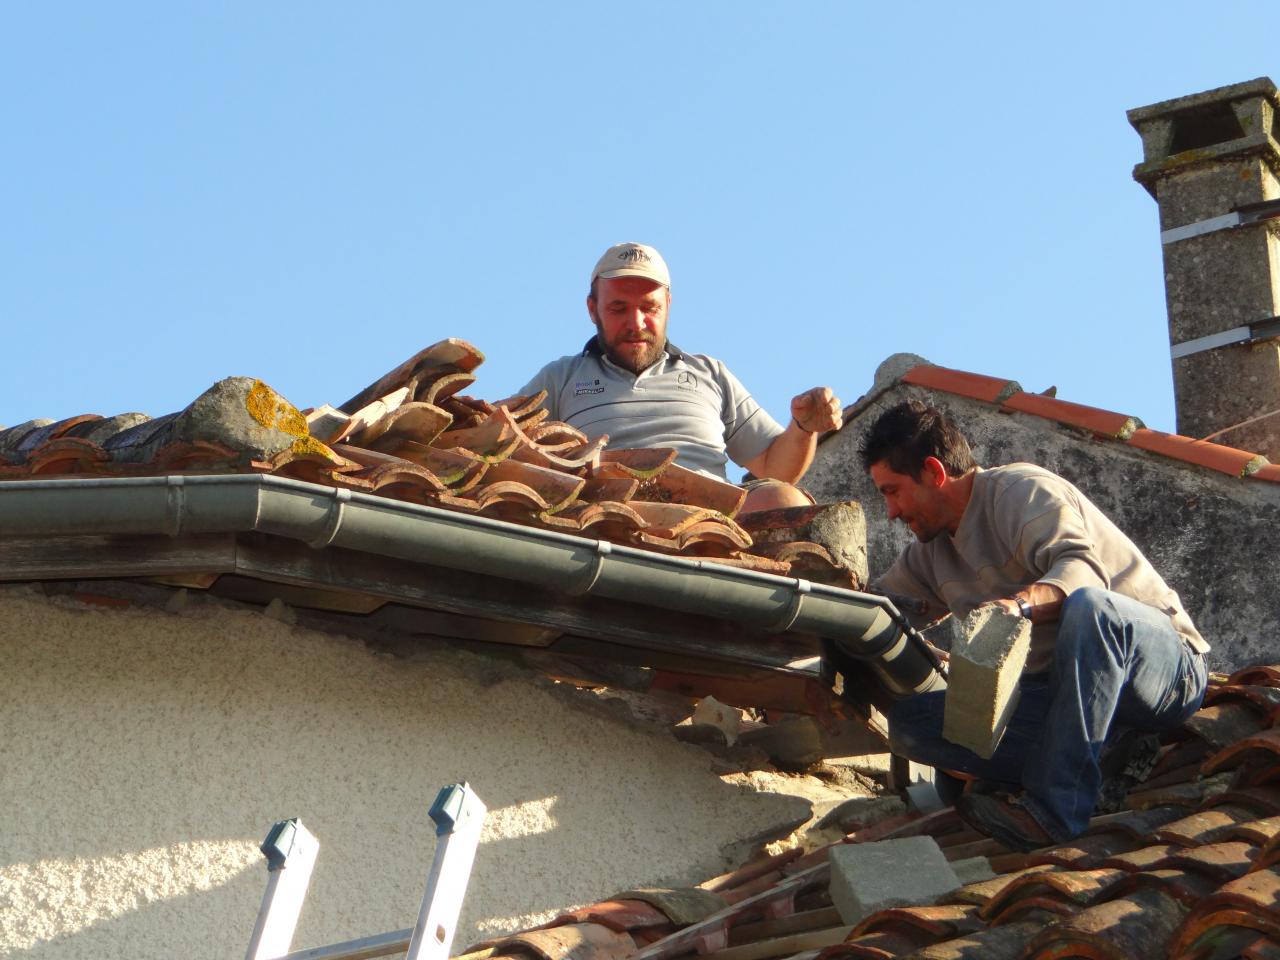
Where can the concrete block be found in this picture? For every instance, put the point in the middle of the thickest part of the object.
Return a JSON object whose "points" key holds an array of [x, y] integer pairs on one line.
{"points": [[973, 870], [982, 690], [866, 877]]}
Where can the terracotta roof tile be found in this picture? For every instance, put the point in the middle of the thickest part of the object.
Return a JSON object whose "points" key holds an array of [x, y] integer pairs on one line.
{"points": [[413, 436], [1270, 472], [1116, 426], [1150, 881], [1249, 902], [1214, 456], [1137, 926], [976, 386], [1105, 423]]}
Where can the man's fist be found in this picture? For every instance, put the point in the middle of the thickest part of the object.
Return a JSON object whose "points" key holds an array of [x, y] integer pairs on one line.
{"points": [[817, 410]]}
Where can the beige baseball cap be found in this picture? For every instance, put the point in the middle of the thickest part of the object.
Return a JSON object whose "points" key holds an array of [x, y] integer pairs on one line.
{"points": [[632, 260]]}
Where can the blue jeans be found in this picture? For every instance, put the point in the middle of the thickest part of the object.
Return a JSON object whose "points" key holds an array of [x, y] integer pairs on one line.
{"points": [[1117, 663]]}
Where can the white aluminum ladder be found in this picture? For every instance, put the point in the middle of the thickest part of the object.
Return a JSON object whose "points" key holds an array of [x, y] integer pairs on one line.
{"points": [[291, 852]]}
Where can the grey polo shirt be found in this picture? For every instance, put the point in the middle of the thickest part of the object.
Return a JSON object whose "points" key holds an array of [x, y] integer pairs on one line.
{"points": [[686, 401]]}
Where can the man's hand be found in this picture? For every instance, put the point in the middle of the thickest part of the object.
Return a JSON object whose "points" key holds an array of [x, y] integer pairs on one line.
{"points": [[790, 454], [817, 410]]}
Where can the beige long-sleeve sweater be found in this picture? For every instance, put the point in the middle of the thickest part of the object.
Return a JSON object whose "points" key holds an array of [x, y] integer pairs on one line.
{"points": [[1024, 525]]}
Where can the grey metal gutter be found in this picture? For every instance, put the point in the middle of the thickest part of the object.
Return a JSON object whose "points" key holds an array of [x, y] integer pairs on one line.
{"points": [[866, 627]]}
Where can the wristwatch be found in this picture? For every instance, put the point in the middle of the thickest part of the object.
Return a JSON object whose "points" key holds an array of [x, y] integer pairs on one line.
{"points": [[1024, 607]]}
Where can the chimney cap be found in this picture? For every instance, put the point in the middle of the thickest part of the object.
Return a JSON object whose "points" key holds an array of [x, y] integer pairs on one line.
{"points": [[1204, 129], [1260, 87]]}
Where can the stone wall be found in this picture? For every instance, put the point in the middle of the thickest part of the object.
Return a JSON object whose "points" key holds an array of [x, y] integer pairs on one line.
{"points": [[1212, 537], [145, 754]]}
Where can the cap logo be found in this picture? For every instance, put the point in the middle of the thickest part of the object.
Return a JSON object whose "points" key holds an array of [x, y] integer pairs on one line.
{"points": [[634, 255]]}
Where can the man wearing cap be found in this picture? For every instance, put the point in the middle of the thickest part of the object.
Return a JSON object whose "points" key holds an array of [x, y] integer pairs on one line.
{"points": [[633, 384]]}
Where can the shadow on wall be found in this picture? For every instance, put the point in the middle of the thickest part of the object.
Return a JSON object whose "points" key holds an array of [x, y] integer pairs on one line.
{"points": [[134, 736]]}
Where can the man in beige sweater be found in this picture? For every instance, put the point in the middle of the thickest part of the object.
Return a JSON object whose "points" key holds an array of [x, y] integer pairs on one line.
{"points": [[1112, 646]]}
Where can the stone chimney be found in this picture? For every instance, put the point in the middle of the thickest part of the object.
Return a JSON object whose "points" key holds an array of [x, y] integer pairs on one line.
{"points": [[1212, 162]]}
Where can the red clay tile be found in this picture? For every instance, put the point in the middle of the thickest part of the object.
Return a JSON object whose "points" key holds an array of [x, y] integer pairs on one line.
{"points": [[621, 916], [995, 943], [1260, 833], [973, 385], [1204, 826], [450, 354], [1250, 902], [1188, 887], [1263, 801], [1263, 675], [1214, 456], [1222, 724], [441, 384], [1264, 948], [1191, 750], [641, 464], [66, 455], [938, 922], [985, 890], [1084, 853], [1261, 749], [882, 945], [1137, 926], [1144, 858], [677, 484], [1079, 887], [575, 941], [1266, 699], [1220, 862], [1104, 423], [1271, 473]]}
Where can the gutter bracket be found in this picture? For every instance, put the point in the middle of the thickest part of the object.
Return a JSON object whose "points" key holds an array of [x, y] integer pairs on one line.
{"points": [[337, 513], [585, 582], [175, 504], [789, 616]]}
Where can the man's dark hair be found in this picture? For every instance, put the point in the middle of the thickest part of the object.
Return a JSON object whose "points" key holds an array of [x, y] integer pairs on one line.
{"points": [[903, 436]]}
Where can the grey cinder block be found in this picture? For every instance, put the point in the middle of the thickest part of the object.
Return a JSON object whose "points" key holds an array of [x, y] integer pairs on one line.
{"points": [[982, 690], [866, 877]]}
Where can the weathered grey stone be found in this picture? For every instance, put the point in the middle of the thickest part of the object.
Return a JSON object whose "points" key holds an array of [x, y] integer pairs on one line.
{"points": [[973, 870], [12, 438], [982, 690], [1204, 531], [110, 426], [859, 812], [866, 877], [243, 414], [839, 527]]}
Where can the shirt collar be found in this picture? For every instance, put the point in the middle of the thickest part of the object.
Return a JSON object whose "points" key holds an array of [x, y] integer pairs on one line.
{"points": [[592, 348]]}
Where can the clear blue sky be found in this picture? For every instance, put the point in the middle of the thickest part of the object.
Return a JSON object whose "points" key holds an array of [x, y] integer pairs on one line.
{"points": [[308, 193]]}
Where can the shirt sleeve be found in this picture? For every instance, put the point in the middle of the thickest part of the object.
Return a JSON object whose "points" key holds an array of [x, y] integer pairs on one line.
{"points": [[900, 580], [1047, 532], [546, 379], [748, 428]]}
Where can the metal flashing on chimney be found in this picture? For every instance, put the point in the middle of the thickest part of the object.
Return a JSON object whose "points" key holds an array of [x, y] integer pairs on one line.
{"points": [[1240, 217], [1251, 333]]}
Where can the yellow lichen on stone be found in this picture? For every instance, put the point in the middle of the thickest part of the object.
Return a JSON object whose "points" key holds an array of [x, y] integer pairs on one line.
{"points": [[310, 445], [272, 410]]}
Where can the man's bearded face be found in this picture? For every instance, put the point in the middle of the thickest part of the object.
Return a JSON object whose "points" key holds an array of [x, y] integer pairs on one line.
{"points": [[630, 314]]}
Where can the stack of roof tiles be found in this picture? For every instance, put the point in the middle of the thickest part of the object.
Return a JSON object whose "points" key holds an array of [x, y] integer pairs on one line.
{"points": [[1189, 869], [414, 436]]}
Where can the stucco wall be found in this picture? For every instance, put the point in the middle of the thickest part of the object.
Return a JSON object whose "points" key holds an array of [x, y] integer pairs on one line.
{"points": [[145, 754], [1210, 535]]}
